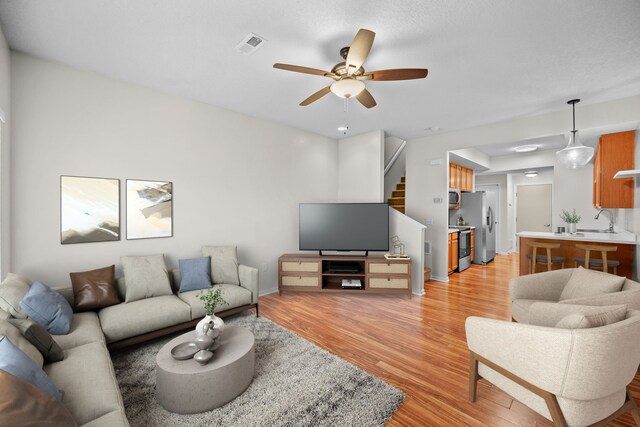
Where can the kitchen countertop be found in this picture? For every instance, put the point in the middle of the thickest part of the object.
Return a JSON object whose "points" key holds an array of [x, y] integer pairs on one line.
{"points": [[622, 237]]}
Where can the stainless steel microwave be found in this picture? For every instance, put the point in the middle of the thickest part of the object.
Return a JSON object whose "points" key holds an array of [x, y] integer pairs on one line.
{"points": [[454, 198]]}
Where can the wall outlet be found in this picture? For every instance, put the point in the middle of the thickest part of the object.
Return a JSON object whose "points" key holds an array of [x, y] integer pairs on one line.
{"points": [[429, 221], [435, 162], [437, 200], [264, 267]]}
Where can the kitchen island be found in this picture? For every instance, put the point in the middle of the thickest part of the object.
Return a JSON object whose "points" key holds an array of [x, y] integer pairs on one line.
{"points": [[623, 240]]}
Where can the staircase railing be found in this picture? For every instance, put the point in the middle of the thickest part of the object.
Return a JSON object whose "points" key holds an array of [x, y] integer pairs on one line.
{"points": [[395, 156]]}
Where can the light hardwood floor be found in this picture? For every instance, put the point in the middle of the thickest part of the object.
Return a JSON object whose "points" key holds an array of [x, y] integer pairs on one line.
{"points": [[418, 345]]}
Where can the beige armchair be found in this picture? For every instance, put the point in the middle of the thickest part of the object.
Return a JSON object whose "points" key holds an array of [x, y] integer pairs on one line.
{"points": [[549, 286], [574, 377]]}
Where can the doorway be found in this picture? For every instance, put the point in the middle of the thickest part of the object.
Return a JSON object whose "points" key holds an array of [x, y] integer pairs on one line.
{"points": [[533, 207]]}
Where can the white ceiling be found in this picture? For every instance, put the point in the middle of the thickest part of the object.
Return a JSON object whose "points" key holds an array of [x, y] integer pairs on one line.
{"points": [[488, 60]]}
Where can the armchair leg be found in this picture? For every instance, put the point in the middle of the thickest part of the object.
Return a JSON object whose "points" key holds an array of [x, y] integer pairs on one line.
{"points": [[473, 377], [257, 310]]}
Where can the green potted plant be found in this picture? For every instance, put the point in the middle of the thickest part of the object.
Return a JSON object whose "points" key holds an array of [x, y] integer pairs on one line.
{"points": [[211, 299], [572, 219]]}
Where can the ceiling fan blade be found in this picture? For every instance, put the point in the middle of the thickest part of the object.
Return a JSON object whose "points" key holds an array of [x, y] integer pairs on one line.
{"points": [[366, 99], [304, 70], [313, 98], [396, 74], [359, 50]]}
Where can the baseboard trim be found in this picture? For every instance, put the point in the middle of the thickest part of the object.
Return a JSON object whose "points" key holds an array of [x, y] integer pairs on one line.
{"points": [[440, 279], [264, 292], [418, 294]]}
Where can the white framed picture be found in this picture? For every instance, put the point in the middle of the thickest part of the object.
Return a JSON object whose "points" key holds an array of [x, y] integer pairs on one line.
{"points": [[149, 209]]}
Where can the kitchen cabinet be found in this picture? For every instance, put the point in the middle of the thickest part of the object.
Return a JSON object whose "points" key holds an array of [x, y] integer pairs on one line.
{"points": [[616, 152], [460, 177], [472, 245], [453, 252]]}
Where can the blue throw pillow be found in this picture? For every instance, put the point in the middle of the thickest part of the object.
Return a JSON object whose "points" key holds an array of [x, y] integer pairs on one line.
{"points": [[48, 308], [17, 363], [195, 274]]}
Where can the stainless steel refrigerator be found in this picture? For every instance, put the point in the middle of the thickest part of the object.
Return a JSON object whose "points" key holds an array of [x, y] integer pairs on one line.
{"points": [[478, 210]]}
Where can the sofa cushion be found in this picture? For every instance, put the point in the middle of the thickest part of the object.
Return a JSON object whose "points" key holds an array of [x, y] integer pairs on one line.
{"points": [[146, 277], [85, 329], [12, 289], [594, 320], [13, 333], [40, 338], [4, 314], [94, 289], [139, 317], [48, 308], [520, 309], [86, 374], [195, 274], [112, 419], [236, 296], [584, 283], [550, 313], [224, 264], [23, 404], [17, 363]]}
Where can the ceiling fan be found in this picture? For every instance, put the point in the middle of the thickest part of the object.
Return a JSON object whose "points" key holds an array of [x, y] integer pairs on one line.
{"points": [[349, 75]]}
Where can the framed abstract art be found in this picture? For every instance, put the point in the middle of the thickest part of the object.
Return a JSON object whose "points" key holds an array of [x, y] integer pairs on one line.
{"points": [[149, 209]]}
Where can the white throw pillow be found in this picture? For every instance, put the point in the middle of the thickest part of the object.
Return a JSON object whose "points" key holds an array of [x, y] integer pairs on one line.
{"points": [[550, 313], [224, 264], [145, 277], [595, 320], [585, 283], [12, 289]]}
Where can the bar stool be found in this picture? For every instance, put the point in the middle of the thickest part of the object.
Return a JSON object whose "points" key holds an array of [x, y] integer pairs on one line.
{"points": [[599, 264], [542, 259]]}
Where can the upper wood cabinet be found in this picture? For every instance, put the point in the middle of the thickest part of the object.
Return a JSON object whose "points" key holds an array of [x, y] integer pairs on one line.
{"points": [[616, 152], [460, 177]]}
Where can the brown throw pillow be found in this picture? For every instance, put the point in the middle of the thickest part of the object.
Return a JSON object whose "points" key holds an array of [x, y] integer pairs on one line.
{"points": [[94, 289], [40, 338], [23, 404]]}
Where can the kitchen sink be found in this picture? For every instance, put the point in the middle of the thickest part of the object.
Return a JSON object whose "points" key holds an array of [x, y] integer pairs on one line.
{"points": [[594, 230]]}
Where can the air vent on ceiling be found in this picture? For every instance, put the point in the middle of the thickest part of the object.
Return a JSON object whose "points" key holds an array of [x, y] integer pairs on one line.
{"points": [[250, 44]]}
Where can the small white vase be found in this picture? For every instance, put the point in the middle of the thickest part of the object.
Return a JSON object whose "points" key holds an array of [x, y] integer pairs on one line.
{"points": [[572, 227], [215, 331]]}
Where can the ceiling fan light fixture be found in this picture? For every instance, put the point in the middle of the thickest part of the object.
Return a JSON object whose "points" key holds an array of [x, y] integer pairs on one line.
{"points": [[574, 155], [347, 87]]}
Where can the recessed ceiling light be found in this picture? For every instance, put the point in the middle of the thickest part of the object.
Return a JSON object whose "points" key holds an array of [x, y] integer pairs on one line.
{"points": [[343, 129], [531, 174], [526, 148]]}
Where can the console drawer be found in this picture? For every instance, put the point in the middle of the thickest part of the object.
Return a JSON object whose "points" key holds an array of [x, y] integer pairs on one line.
{"points": [[388, 268], [301, 266], [388, 283], [306, 281]]}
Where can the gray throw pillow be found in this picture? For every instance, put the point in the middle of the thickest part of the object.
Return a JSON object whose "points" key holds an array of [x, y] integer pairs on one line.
{"points": [[585, 283], [145, 276], [224, 264], [12, 289], [595, 320], [40, 338]]}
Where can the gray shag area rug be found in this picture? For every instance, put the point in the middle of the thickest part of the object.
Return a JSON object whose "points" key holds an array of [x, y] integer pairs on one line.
{"points": [[296, 383]]}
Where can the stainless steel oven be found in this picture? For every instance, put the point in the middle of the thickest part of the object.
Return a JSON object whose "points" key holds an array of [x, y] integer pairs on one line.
{"points": [[464, 247]]}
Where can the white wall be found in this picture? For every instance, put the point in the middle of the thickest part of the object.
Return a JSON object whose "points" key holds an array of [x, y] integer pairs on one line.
{"points": [[237, 180], [427, 182], [411, 234], [5, 158], [360, 168]]}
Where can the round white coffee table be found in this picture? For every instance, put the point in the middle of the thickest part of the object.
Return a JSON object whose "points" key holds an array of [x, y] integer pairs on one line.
{"points": [[186, 387]]}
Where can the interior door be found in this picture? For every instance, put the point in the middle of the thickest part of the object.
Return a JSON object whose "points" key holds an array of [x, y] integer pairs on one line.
{"points": [[533, 207]]}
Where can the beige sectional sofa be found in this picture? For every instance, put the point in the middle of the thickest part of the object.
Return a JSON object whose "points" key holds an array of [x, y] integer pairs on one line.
{"points": [[86, 374]]}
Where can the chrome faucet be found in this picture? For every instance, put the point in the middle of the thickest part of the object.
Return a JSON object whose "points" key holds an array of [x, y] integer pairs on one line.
{"points": [[610, 218]]}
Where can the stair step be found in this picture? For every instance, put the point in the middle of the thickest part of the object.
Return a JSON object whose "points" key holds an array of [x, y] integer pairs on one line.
{"points": [[403, 179], [397, 193], [396, 201], [400, 186], [399, 208]]}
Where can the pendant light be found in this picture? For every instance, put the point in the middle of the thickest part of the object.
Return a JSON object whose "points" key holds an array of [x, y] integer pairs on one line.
{"points": [[574, 155]]}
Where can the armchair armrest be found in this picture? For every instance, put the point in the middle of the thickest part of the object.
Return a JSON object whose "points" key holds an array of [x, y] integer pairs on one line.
{"points": [[545, 286], [630, 298], [249, 280], [536, 354]]}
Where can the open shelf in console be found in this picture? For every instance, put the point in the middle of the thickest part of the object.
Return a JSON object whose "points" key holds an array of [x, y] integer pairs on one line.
{"points": [[334, 271]]}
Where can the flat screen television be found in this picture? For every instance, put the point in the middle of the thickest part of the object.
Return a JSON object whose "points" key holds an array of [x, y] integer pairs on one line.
{"points": [[344, 227]]}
